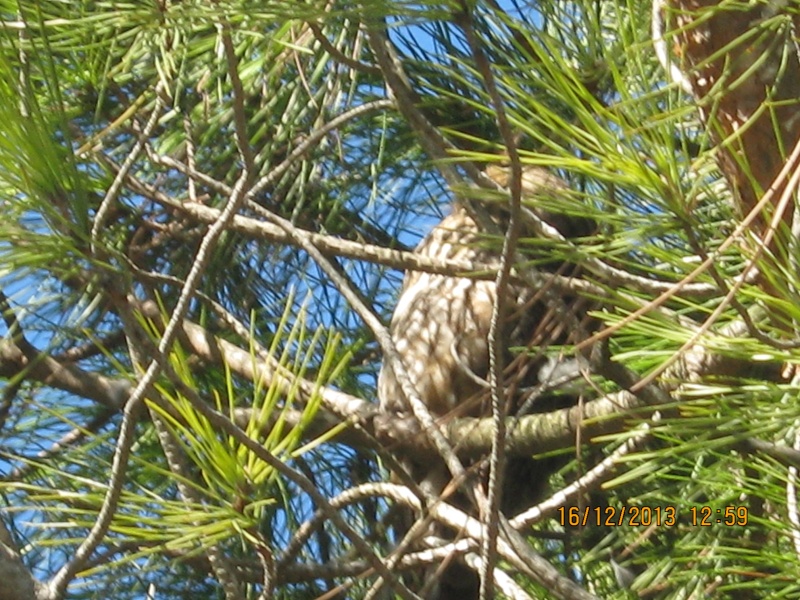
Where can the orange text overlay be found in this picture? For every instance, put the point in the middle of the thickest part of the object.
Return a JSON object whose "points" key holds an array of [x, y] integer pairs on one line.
{"points": [[645, 516]]}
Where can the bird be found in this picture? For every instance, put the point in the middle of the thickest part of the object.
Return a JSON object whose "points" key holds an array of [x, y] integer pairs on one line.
{"points": [[440, 328]]}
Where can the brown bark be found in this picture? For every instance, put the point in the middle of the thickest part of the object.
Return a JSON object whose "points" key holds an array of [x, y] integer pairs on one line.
{"points": [[743, 66]]}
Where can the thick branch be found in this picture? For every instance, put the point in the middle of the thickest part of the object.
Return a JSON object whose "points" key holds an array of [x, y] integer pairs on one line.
{"points": [[526, 435], [111, 393], [742, 64], [415, 262]]}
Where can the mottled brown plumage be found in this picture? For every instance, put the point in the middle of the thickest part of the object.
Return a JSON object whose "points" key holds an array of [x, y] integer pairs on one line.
{"points": [[440, 328], [440, 325]]}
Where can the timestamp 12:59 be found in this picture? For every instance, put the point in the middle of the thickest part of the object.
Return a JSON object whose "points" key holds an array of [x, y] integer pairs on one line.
{"points": [[705, 516], [645, 516]]}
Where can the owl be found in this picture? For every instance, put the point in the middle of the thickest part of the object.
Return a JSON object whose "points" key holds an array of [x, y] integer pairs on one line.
{"points": [[440, 328]]}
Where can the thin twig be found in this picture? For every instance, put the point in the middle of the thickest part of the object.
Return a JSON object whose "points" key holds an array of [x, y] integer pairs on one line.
{"points": [[223, 424], [381, 333], [735, 236], [338, 55], [313, 138], [601, 472], [512, 546], [763, 244], [497, 458], [611, 275], [61, 580], [67, 440], [433, 142], [113, 191]]}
